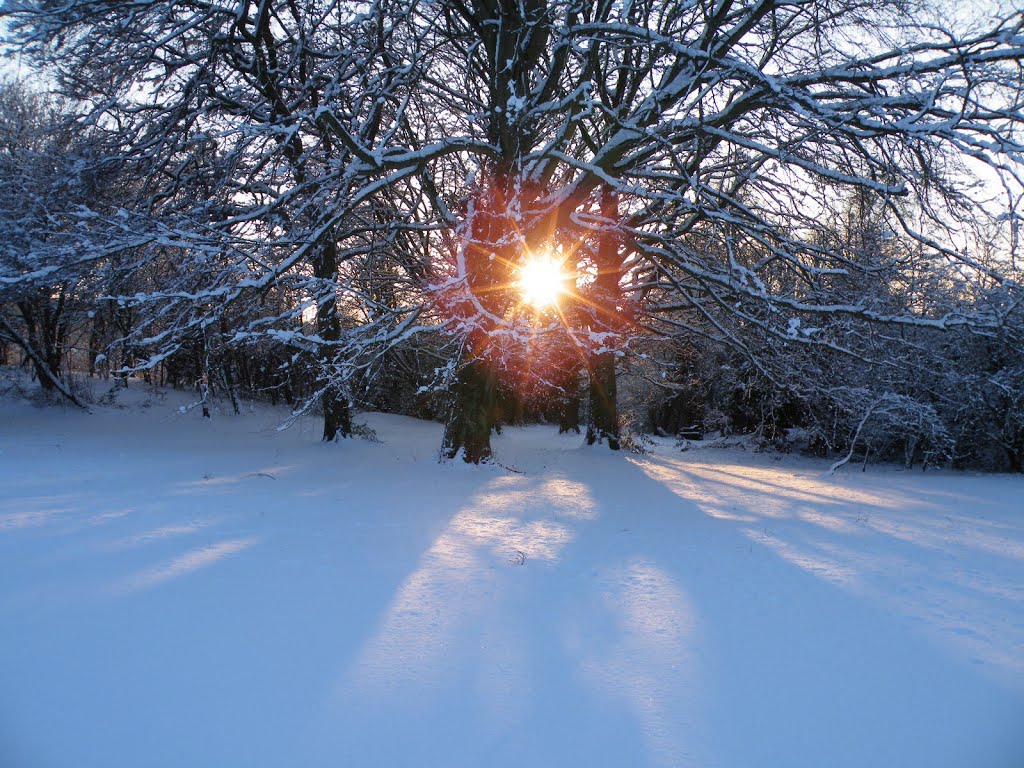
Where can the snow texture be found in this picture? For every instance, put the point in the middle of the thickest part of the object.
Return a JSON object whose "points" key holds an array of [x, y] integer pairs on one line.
{"points": [[185, 592]]}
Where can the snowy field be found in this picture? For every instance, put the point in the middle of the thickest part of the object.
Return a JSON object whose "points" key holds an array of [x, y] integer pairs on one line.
{"points": [[187, 593]]}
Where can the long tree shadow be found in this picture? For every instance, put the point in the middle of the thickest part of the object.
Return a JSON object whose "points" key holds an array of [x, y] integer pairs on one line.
{"points": [[606, 610], [206, 599], [856, 616], [957, 574]]}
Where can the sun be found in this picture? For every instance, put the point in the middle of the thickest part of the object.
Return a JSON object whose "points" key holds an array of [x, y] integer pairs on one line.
{"points": [[541, 280]]}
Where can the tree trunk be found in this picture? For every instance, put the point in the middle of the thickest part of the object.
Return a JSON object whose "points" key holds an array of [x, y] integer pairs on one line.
{"points": [[604, 416], [489, 251], [52, 381], [227, 377], [45, 333], [203, 383], [337, 414], [1015, 459], [569, 414], [97, 344], [473, 413]]}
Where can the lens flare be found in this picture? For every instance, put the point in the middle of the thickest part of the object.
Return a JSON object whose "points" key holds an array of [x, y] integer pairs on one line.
{"points": [[541, 281]]}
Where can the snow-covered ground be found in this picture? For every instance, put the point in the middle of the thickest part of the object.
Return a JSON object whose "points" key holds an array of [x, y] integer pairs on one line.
{"points": [[186, 593]]}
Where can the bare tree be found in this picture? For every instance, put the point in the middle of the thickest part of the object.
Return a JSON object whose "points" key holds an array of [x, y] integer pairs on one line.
{"points": [[724, 133], [48, 176], [689, 156], [245, 128]]}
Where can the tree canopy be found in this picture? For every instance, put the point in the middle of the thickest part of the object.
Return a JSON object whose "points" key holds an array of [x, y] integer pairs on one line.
{"points": [[819, 192]]}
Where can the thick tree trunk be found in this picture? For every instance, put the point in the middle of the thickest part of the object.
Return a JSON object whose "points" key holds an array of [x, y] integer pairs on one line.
{"points": [[54, 359], [489, 251], [337, 414], [46, 383], [569, 414], [473, 413], [604, 417], [43, 318]]}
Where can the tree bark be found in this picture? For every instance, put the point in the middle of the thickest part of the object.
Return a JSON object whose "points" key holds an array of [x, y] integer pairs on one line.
{"points": [[569, 414], [337, 413], [604, 417], [475, 408], [473, 414], [44, 323]]}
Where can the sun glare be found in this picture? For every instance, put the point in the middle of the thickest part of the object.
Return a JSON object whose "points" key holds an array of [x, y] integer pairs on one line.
{"points": [[541, 280]]}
